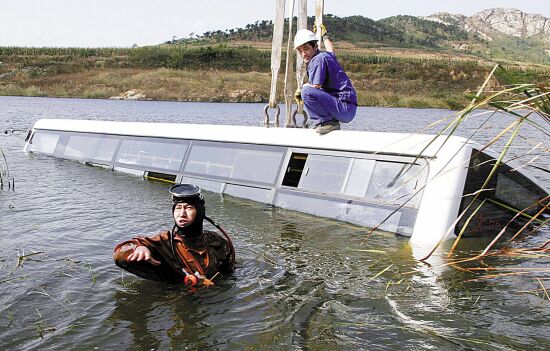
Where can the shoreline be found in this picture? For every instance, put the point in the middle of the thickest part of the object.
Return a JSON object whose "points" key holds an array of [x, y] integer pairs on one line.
{"points": [[164, 84], [200, 102], [227, 74]]}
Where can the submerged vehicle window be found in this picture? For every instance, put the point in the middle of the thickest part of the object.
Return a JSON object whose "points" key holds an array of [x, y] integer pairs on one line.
{"points": [[44, 142], [325, 173], [96, 147], [515, 194], [396, 182], [359, 177], [506, 193], [234, 162], [294, 169], [382, 181], [152, 154]]}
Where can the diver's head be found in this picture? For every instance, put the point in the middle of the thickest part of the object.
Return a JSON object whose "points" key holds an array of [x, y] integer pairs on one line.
{"points": [[188, 209]]}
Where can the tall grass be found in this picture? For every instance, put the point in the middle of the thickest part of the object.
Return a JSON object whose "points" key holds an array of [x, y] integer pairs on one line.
{"points": [[528, 104], [217, 57], [390, 79], [5, 179], [223, 56]]}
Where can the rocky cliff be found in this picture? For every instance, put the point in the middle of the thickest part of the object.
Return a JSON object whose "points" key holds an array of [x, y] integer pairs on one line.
{"points": [[491, 22]]}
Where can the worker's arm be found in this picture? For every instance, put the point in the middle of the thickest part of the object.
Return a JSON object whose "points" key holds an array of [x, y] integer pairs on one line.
{"points": [[325, 38], [328, 43]]}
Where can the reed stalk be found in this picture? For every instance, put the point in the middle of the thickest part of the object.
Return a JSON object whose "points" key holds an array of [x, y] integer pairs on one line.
{"points": [[519, 100], [524, 102], [4, 170]]}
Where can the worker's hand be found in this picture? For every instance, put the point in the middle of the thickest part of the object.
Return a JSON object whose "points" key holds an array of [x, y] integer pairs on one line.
{"points": [[316, 86], [323, 29], [142, 253], [298, 96]]}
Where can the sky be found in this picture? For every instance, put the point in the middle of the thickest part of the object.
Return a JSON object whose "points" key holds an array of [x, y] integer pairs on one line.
{"points": [[123, 23]]}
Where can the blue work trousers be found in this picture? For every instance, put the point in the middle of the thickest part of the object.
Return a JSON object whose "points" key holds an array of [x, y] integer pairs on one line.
{"points": [[323, 107]]}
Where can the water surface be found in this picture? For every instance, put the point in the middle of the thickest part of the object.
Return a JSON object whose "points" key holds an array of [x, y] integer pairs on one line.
{"points": [[302, 283]]}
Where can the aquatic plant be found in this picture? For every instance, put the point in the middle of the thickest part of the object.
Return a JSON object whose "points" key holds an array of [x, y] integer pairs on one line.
{"points": [[5, 179], [524, 101], [527, 104]]}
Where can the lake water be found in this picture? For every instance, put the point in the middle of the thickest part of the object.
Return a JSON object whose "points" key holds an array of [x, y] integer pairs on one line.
{"points": [[302, 283]]}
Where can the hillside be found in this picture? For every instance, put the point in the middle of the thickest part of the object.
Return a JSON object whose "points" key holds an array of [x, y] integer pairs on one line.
{"points": [[401, 61], [405, 78], [494, 34]]}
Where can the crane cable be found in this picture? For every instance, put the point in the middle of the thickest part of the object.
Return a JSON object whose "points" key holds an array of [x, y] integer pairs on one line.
{"points": [[276, 51], [300, 65], [319, 10], [276, 54], [289, 89]]}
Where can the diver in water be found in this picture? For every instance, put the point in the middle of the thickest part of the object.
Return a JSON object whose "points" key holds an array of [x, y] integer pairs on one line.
{"points": [[188, 254]]}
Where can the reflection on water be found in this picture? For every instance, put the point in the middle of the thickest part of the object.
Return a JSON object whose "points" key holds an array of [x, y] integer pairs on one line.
{"points": [[301, 282]]}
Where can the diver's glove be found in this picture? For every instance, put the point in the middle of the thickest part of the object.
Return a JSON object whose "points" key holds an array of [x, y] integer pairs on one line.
{"points": [[324, 34], [298, 96]]}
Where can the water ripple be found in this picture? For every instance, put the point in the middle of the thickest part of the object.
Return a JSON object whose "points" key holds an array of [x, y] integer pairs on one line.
{"points": [[301, 282]]}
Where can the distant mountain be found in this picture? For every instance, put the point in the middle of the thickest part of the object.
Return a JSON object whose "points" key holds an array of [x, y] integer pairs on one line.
{"points": [[506, 34], [494, 22], [416, 31]]}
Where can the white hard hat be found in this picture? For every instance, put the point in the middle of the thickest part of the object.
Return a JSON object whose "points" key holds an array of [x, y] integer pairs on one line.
{"points": [[303, 36]]}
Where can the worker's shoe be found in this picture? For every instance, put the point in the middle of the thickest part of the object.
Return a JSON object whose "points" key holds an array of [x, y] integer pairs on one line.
{"points": [[327, 127], [311, 125]]}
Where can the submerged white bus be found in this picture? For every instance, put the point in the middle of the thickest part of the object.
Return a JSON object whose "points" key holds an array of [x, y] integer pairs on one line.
{"points": [[409, 184]]}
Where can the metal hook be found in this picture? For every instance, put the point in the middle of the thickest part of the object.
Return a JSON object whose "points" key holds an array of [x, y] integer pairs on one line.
{"points": [[304, 113], [277, 113]]}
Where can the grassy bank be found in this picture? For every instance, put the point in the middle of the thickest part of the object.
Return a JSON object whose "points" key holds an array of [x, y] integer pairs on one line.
{"points": [[240, 74]]}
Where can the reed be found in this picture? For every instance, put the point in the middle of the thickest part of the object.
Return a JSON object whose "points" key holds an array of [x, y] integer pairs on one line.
{"points": [[11, 319], [5, 179], [22, 258], [528, 104], [523, 101]]}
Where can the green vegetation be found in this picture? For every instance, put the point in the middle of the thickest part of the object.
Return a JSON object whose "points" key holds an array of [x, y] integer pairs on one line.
{"points": [[401, 61], [529, 104], [222, 73], [506, 47], [400, 31], [404, 32], [209, 57]]}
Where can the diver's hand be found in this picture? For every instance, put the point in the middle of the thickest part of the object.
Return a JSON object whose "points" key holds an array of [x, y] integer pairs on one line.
{"points": [[142, 253]]}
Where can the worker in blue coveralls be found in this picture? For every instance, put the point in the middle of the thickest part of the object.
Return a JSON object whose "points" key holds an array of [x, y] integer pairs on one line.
{"points": [[329, 97]]}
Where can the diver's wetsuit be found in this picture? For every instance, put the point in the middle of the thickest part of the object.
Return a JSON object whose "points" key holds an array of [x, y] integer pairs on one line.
{"points": [[210, 254]]}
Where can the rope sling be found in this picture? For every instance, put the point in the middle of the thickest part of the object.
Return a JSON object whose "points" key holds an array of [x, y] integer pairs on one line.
{"points": [[289, 91], [276, 51], [300, 65], [319, 9], [276, 54]]}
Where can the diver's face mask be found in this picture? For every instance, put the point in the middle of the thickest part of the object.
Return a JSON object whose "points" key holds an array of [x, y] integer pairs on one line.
{"points": [[184, 214]]}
